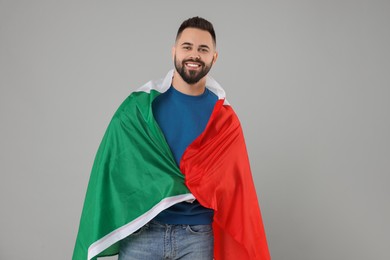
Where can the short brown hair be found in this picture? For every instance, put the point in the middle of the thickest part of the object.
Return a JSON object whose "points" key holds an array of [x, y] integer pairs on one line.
{"points": [[198, 23]]}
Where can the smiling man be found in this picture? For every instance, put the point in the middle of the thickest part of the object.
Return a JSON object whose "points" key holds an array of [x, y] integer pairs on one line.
{"points": [[171, 179], [194, 54]]}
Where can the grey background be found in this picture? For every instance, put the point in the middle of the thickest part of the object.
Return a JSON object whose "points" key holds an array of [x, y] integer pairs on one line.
{"points": [[308, 79]]}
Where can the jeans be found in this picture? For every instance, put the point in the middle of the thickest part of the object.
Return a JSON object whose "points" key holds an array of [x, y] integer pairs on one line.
{"points": [[156, 241]]}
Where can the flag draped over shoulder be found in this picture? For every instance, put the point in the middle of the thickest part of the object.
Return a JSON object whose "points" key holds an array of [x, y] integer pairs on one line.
{"points": [[135, 177], [217, 171]]}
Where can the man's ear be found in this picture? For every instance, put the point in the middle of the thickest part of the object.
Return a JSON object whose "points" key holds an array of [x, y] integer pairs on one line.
{"points": [[215, 57], [173, 52]]}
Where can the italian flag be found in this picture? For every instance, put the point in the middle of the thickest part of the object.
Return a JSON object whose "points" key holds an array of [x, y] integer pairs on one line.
{"points": [[134, 177]]}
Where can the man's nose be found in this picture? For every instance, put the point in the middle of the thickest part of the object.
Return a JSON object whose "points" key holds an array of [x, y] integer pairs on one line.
{"points": [[195, 55]]}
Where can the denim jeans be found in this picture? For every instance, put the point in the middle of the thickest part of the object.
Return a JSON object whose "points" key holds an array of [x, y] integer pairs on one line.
{"points": [[156, 241]]}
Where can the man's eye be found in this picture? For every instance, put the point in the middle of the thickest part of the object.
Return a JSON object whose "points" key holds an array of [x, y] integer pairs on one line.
{"points": [[204, 50], [187, 47]]}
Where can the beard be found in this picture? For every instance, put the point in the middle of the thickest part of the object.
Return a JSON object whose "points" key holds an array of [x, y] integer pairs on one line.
{"points": [[192, 76]]}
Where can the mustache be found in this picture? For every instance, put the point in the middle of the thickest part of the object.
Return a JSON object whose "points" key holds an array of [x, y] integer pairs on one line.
{"points": [[193, 60]]}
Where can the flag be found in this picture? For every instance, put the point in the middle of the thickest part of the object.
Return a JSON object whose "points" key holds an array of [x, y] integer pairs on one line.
{"points": [[217, 171], [134, 177]]}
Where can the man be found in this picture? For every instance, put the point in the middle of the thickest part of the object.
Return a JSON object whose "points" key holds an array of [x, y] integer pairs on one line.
{"points": [[171, 179]]}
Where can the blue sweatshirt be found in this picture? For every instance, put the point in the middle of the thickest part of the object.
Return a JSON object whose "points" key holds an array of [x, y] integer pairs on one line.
{"points": [[182, 118]]}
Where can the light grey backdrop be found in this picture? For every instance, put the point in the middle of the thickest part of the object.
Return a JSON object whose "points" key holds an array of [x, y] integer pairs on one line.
{"points": [[309, 80]]}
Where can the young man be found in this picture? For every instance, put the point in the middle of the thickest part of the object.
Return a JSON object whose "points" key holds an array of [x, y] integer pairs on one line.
{"points": [[171, 179]]}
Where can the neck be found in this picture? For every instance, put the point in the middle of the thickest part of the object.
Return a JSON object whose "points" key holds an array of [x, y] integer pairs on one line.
{"points": [[189, 89]]}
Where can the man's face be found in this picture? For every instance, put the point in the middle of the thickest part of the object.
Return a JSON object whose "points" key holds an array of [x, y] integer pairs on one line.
{"points": [[194, 54]]}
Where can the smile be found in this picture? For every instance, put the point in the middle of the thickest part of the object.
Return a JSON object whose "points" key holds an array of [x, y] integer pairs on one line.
{"points": [[192, 65]]}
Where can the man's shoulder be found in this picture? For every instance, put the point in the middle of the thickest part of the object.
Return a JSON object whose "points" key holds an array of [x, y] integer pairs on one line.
{"points": [[150, 85], [140, 98]]}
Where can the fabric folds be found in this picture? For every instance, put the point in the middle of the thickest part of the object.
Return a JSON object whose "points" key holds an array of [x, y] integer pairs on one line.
{"points": [[134, 177]]}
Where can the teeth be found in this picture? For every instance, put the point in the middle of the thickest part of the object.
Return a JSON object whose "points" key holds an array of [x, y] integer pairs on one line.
{"points": [[192, 65]]}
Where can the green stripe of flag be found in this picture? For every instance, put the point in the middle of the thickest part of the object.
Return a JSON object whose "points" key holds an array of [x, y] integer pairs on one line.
{"points": [[133, 171]]}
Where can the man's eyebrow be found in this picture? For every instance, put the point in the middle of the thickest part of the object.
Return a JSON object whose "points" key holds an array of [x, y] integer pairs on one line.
{"points": [[191, 44], [204, 46]]}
